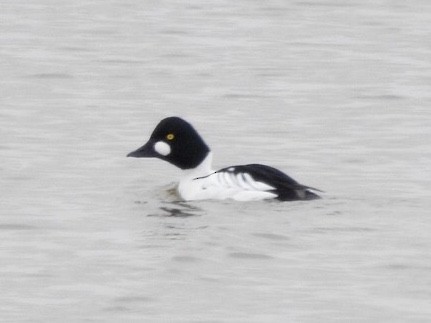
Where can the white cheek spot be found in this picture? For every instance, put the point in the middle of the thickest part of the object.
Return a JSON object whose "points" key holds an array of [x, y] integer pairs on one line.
{"points": [[162, 148]]}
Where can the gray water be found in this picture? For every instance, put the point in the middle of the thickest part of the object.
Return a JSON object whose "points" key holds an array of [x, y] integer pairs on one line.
{"points": [[335, 93]]}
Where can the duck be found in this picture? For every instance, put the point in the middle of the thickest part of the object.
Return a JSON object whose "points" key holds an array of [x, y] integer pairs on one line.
{"points": [[177, 142]]}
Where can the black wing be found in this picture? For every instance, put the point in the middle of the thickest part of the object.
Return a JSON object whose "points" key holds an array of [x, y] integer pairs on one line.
{"points": [[286, 188]]}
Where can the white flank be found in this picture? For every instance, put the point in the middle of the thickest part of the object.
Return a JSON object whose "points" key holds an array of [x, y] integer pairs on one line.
{"points": [[203, 183]]}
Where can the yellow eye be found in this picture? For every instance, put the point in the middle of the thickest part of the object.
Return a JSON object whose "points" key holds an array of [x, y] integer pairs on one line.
{"points": [[170, 136]]}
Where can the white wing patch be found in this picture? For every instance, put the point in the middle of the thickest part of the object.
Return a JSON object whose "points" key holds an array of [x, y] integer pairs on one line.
{"points": [[257, 185], [240, 181]]}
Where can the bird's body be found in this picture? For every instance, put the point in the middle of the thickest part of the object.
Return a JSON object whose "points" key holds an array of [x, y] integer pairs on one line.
{"points": [[177, 142], [204, 183]]}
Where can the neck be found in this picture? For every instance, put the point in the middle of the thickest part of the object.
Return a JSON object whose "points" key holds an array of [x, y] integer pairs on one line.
{"points": [[203, 169]]}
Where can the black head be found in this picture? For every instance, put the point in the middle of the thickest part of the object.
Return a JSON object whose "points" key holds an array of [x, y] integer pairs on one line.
{"points": [[175, 141]]}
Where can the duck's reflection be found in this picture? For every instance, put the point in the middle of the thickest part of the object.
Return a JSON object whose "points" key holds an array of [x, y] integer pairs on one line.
{"points": [[178, 209]]}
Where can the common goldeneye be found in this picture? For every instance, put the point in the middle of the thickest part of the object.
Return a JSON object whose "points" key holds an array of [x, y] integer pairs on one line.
{"points": [[177, 142]]}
